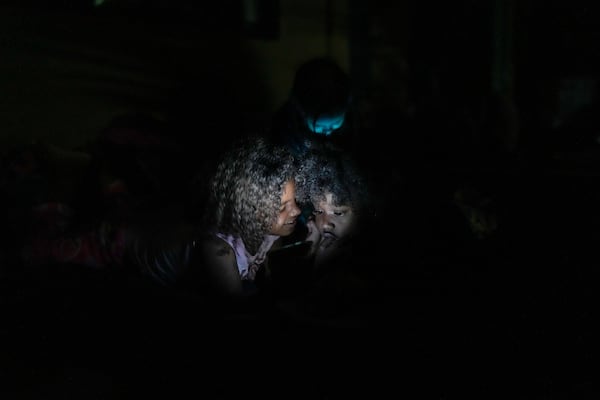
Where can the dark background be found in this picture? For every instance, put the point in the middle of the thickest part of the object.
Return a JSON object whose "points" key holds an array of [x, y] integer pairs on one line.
{"points": [[496, 95]]}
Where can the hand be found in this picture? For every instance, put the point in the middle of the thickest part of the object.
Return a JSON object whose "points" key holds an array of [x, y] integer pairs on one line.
{"points": [[313, 236]]}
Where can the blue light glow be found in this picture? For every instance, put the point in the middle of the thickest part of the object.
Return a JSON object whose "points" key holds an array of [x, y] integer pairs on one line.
{"points": [[326, 124]]}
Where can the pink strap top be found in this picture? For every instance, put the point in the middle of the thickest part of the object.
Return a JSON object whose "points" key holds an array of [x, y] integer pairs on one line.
{"points": [[248, 264]]}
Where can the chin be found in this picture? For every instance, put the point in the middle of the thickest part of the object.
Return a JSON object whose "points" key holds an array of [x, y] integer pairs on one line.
{"points": [[285, 230]]}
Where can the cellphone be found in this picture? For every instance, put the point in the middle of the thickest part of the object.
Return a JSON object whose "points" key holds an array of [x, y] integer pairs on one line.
{"points": [[289, 255], [299, 248], [289, 268]]}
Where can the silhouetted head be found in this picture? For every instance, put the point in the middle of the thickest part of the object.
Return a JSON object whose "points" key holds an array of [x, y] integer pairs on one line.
{"points": [[321, 91]]}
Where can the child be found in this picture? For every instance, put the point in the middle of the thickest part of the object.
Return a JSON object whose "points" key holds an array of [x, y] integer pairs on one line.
{"points": [[339, 198], [251, 203]]}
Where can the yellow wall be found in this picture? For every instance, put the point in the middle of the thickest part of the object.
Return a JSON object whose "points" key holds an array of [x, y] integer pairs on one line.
{"points": [[303, 34]]}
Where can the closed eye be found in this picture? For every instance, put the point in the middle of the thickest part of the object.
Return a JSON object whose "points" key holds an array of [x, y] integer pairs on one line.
{"points": [[336, 213]]}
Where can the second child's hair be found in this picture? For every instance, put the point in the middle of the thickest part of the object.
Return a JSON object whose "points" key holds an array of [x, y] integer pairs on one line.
{"points": [[337, 173]]}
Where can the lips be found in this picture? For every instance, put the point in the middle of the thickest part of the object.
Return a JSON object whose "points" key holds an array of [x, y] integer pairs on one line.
{"points": [[327, 239], [330, 235]]}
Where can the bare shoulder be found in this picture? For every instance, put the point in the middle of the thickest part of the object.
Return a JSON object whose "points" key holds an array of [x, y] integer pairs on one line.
{"points": [[214, 248], [221, 264]]}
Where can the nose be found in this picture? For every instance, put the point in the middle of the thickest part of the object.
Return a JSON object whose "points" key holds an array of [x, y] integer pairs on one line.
{"points": [[328, 224], [295, 211]]}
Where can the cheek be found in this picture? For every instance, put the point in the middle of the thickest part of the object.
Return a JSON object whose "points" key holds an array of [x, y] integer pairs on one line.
{"points": [[280, 219], [348, 226], [319, 222]]}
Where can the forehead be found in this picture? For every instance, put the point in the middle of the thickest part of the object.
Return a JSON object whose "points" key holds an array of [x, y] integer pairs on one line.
{"points": [[289, 190], [330, 203], [328, 198]]}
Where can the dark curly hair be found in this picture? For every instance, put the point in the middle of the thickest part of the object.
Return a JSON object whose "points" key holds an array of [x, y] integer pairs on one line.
{"points": [[244, 194], [337, 173]]}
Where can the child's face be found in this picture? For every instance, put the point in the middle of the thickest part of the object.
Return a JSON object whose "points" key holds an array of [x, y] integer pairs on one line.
{"points": [[288, 212], [334, 222]]}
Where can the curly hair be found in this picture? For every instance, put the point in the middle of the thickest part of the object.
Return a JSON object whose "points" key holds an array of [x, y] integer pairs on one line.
{"points": [[244, 193], [335, 172]]}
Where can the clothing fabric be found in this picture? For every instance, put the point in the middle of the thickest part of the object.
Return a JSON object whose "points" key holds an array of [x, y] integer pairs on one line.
{"points": [[248, 265], [166, 265], [103, 247]]}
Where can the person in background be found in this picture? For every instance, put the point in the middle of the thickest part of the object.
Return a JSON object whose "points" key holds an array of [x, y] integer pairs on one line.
{"points": [[318, 110], [85, 200]]}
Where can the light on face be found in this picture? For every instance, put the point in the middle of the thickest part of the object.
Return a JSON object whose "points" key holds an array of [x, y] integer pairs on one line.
{"points": [[332, 219], [326, 124]]}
